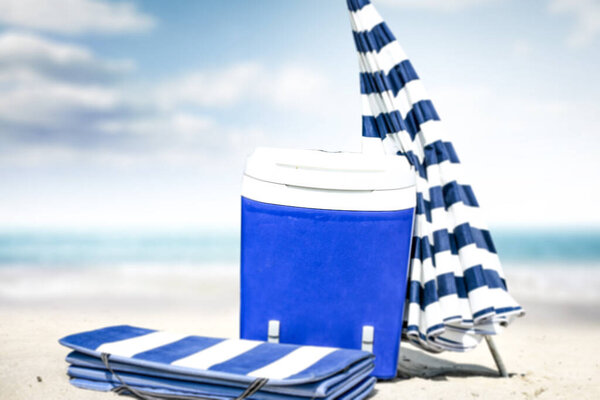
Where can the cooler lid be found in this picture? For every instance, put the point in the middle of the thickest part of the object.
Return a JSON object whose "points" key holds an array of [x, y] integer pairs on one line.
{"points": [[330, 170]]}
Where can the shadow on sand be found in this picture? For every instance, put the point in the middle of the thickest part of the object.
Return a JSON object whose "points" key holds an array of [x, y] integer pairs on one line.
{"points": [[417, 364]]}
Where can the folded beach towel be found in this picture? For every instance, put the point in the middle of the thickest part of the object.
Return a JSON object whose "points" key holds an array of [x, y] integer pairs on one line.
{"points": [[162, 365]]}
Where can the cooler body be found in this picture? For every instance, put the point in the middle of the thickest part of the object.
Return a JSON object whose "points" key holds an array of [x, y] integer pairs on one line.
{"points": [[326, 262]]}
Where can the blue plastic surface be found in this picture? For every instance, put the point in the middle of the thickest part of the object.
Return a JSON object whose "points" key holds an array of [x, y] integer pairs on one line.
{"points": [[324, 274]]}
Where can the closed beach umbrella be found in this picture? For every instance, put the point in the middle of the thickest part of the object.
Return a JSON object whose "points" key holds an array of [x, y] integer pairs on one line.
{"points": [[457, 291]]}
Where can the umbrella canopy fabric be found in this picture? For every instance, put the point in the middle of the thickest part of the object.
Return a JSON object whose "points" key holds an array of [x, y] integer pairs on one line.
{"points": [[457, 290]]}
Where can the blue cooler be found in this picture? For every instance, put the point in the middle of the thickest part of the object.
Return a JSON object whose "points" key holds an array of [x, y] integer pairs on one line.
{"points": [[325, 249]]}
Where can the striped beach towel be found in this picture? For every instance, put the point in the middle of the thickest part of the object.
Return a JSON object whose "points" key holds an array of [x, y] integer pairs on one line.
{"points": [[457, 290], [156, 364]]}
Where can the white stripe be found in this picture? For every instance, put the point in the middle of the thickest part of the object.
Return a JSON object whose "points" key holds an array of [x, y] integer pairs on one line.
{"points": [[431, 131], [447, 172], [404, 143], [217, 354], [432, 316], [449, 307], [366, 105], [469, 340], [446, 262], [374, 104], [294, 362], [139, 344], [480, 299], [366, 18], [460, 214], [388, 57], [411, 93]]}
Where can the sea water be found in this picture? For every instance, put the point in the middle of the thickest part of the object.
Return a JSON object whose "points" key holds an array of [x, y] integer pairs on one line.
{"points": [[87, 249], [82, 249], [547, 265]]}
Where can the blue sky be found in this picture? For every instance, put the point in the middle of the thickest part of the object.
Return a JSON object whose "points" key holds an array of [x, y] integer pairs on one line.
{"points": [[139, 114]]}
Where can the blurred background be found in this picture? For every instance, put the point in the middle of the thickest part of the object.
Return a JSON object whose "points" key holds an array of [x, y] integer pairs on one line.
{"points": [[124, 125]]}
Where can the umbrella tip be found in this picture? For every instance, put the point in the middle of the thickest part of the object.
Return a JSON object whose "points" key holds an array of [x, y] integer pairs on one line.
{"points": [[355, 5]]}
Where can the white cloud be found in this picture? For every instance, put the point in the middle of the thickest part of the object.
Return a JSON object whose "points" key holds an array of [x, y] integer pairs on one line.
{"points": [[60, 103], [299, 88], [223, 87], [289, 87], [437, 5], [22, 53], [46, 104], [75, 16], [45, 84], [587, 19]]}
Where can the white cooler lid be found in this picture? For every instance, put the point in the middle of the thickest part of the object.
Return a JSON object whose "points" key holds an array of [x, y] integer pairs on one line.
{"points": [[330, 170]]}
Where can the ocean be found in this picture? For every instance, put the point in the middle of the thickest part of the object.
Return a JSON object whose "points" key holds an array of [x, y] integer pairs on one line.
{"points": [[104, 249], [551, 265]]}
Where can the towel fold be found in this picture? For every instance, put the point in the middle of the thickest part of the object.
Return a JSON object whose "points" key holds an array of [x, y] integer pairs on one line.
{"points": [[150, 364]]}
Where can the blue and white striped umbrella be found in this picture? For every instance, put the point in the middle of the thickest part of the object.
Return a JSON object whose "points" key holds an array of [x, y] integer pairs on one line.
{"points": [[457, 291]]}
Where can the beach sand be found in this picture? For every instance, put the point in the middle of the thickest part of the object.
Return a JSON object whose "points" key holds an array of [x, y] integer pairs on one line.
{"points": [[552, 353]]}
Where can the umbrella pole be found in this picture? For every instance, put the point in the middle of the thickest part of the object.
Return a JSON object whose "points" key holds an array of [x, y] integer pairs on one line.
{"points": [[496, 355]]}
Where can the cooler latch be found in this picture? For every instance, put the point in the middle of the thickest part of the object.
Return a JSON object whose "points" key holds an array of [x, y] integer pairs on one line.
{"points": [[368, 335], [273, 334]]}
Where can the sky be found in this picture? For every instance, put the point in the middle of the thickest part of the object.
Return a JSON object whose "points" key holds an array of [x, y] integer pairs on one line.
{"points": [[140, 114]]}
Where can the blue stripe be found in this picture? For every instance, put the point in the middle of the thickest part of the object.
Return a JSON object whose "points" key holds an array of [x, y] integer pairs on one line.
{"points": [[444, 241], [436, 197], [373, 40], [355, 5], [474, 278], [432, 331], [493, 280], [383, 124], [486, 237], [394, 81], [177, 350], [423, 206], [455, 193], [255, 358], [414, 292], [452, 193], [448, 341], [94, 339], [375, 82], [369, 127], [489, 310], [461, 287], [444, 197], [400, 75], [438, 152], [414, 161], [465, 235], [420, 113], [390, 122], [447, 284], [415, 329], [434, 328], [505, 310], [453, 318], [426, 250], [477, 276], [429, 294]]}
